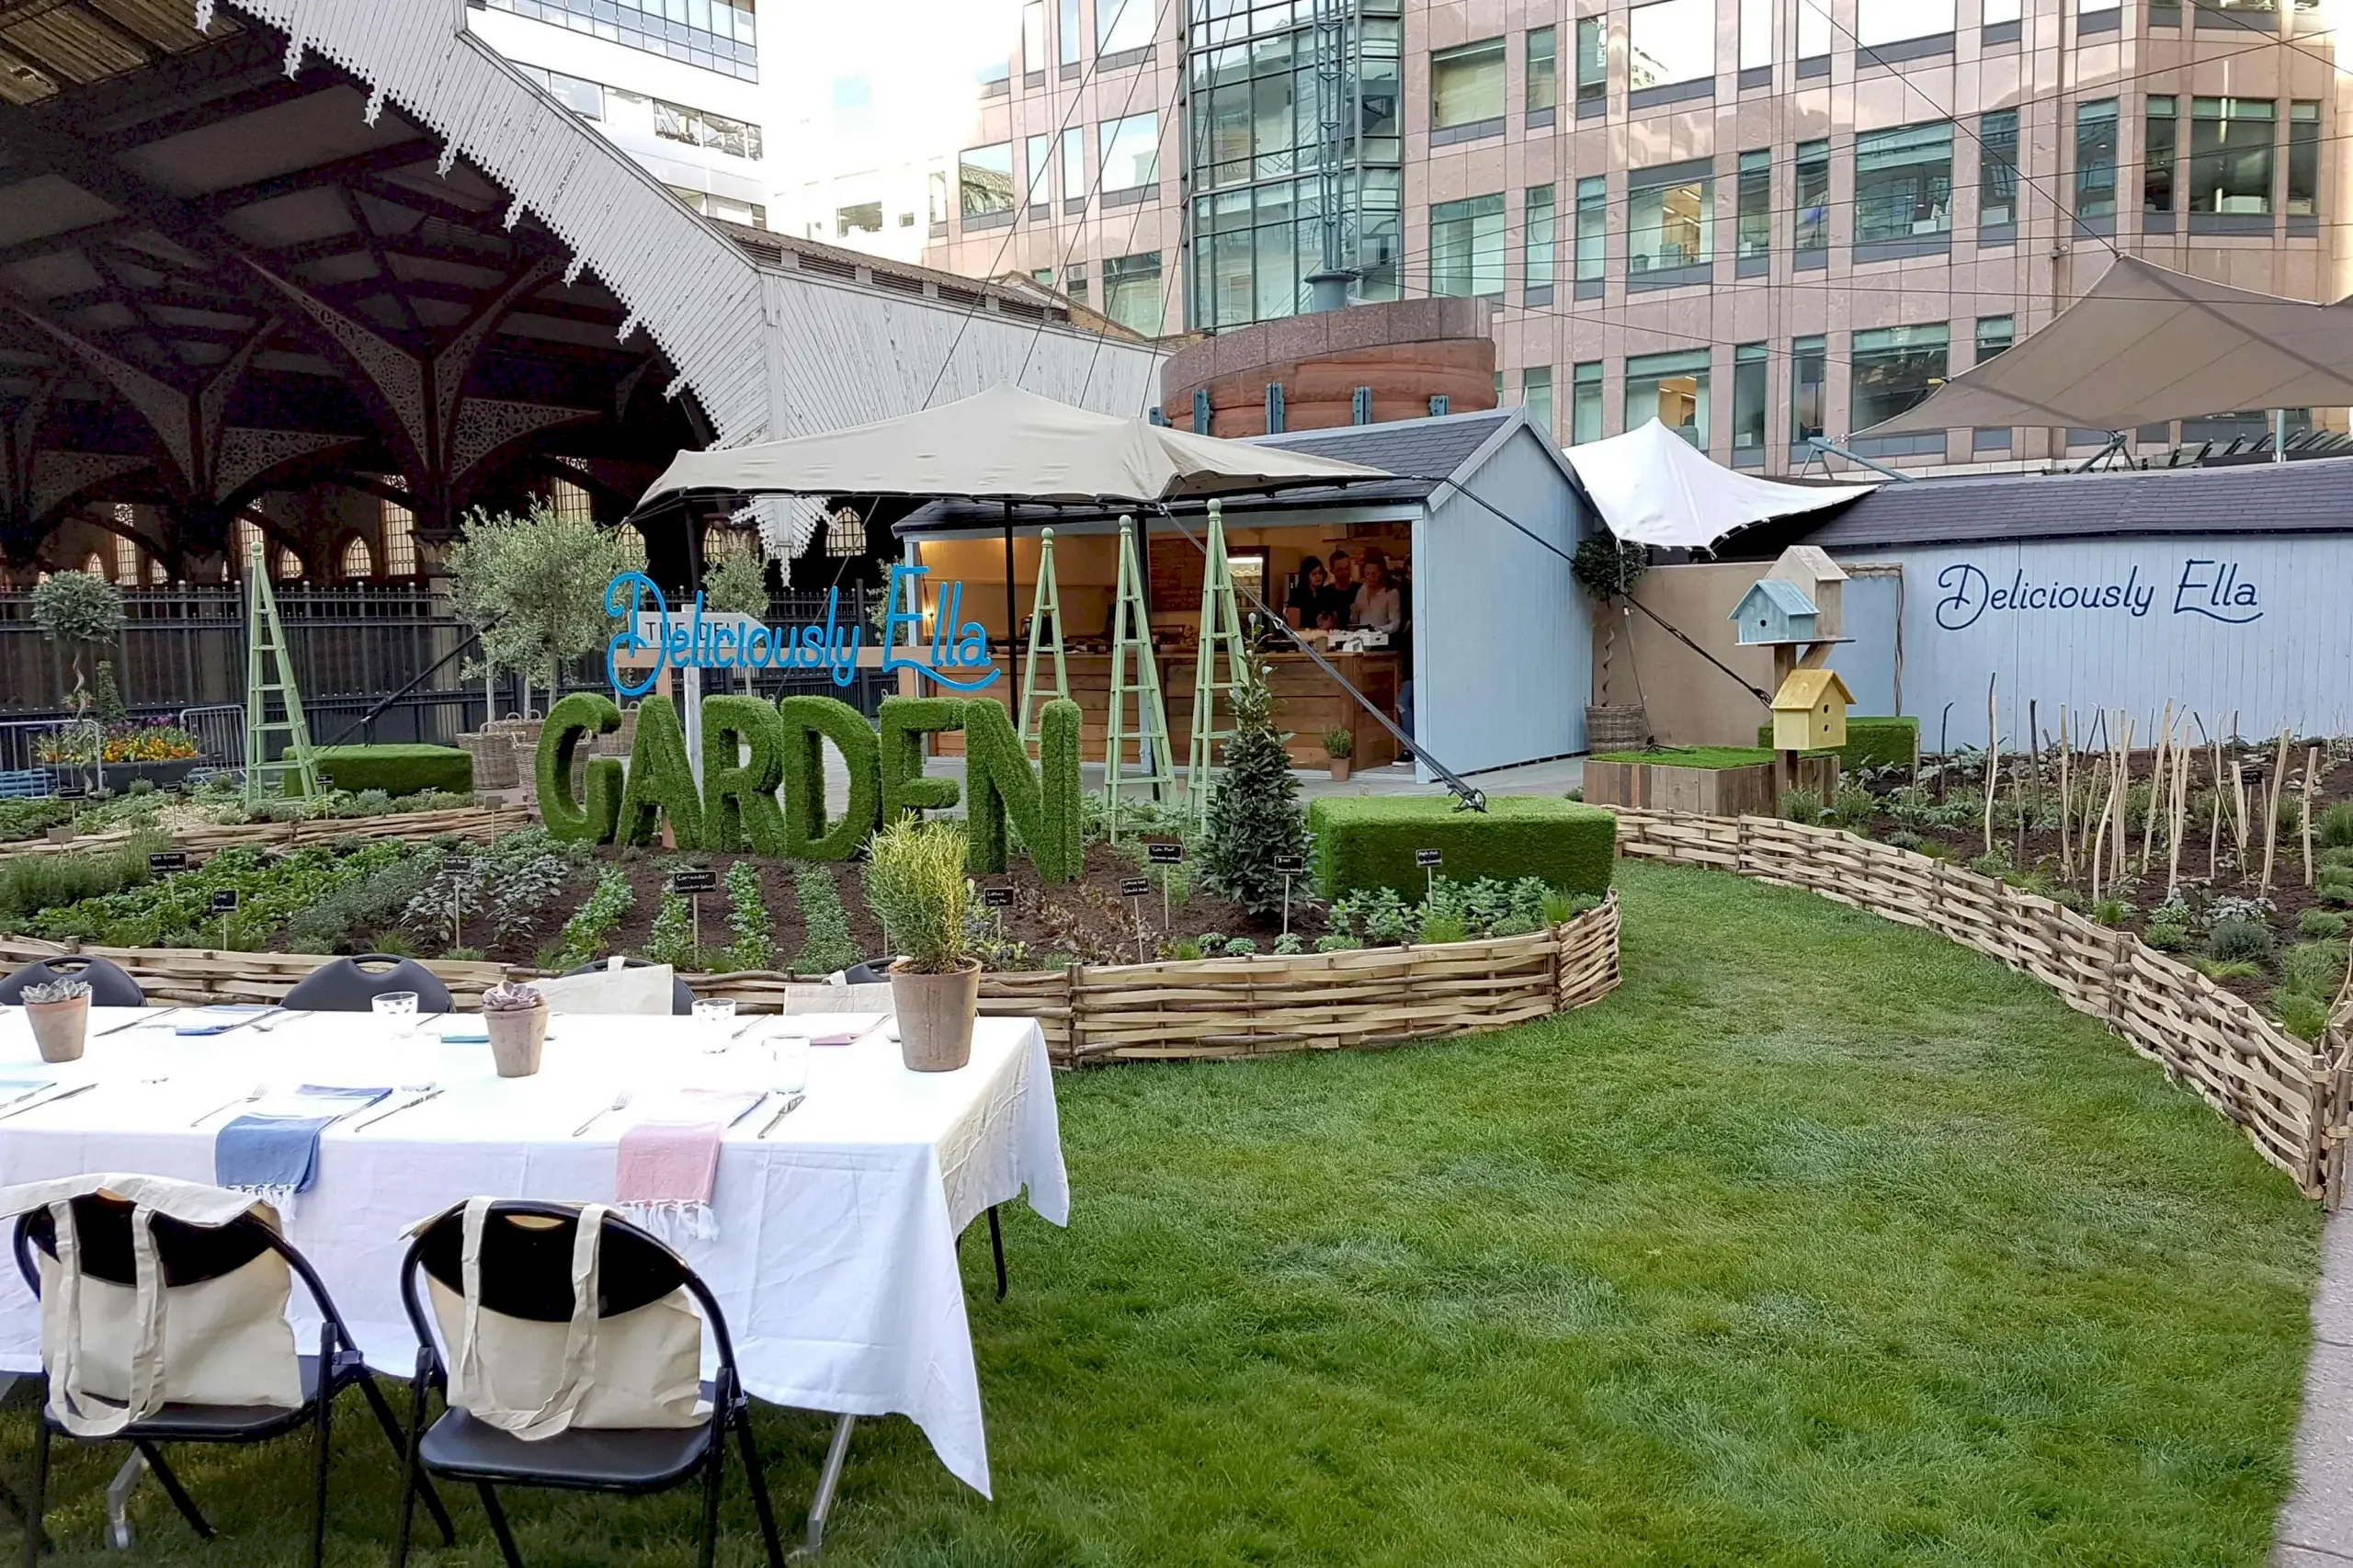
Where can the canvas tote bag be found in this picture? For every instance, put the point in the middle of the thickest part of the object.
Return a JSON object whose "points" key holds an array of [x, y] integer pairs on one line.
{"points": [[635, 1369], [149, 1344]]}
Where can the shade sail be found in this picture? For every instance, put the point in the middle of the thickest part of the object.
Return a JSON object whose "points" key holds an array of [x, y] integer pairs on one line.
{"points": [[1651, 487], [2147, 345], [1002, 444]]}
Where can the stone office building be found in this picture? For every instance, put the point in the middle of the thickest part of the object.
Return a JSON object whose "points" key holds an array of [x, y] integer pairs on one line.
{"points": [[1758, 220]]}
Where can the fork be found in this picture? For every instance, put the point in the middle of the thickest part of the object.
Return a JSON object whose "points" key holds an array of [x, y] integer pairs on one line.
{"points": [[620, 1102], [259, 1091]]}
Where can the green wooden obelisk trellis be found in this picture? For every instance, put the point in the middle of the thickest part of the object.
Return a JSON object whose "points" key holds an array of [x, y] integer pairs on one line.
{"points": [[1048, 606], [1131, 638], [1221, 633], [270, 672]]}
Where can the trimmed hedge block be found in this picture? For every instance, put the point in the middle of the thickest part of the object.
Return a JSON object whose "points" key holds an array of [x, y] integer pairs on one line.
{"points": [[397, 770], [577, 717], [739, 809], [808, 723], [903, 722], [661, 782], [1368, 841], [1871, 743], [1001, 783], [1059, 727]]}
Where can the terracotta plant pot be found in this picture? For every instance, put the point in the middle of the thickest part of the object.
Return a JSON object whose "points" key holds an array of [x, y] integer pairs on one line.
{"points": [[516, 1035], [62, 834], [1339, 770], [60, 1028], [935, 1014]]}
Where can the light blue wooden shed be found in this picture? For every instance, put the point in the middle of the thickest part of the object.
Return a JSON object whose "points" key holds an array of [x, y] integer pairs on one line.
{"points": [[1775, 612]]}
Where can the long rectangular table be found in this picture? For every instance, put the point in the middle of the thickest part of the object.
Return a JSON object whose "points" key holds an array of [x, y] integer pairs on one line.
{"points": [[835, 1260]]}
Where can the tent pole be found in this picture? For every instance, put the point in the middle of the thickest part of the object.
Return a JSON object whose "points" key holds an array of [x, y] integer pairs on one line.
{"points": [[1012, 605]]}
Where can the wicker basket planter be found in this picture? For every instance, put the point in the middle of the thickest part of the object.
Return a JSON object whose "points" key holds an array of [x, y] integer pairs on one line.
{"points": [[1617, 727]]}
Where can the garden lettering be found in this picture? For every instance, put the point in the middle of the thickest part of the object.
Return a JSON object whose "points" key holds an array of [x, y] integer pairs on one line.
{"points": [[764, 780]]}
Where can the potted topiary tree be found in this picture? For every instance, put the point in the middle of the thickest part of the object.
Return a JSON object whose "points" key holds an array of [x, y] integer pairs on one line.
{"points": [[59, 1011], [914, 884], [1339, 745], [79, 611]]}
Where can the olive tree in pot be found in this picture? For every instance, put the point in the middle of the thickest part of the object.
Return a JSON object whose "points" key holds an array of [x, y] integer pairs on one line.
{"points": [[915, 885], [515, 1016], [59, 1011]]}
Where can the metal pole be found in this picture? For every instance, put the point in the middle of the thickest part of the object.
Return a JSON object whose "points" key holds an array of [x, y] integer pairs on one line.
{"points": [[1012, 605]]}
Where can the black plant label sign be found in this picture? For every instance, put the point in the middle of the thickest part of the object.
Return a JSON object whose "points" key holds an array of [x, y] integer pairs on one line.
{"points": [[996, 898], [1135, 887], [1428, 858], [225, 901], [1164, 854], [694, 881], [173, 860], [1290, 865]]}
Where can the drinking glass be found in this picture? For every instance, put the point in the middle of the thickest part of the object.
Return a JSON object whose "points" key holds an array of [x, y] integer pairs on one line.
{"points": [[714, 1021], [400, 1007], [790, 1054]]}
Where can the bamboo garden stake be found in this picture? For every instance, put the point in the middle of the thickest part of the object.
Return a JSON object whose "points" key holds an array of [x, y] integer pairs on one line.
{"points": [[2158, 775], [2271, 816], [2066, 864], [2312, 772], [2104, 789], [2180, 810], [1992, 760], [2214, 836], [2238, 815]]}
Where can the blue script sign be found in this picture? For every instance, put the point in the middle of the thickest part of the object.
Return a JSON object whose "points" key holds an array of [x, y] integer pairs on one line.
{"points": [[736, 642], [2219, 590]]}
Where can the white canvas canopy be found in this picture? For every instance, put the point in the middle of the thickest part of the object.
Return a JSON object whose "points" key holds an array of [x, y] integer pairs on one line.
{"points": [[1651, 487], [1002, 444], [2146, 345]]}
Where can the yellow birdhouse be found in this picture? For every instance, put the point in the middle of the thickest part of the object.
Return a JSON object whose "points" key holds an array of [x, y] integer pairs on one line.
{"points": [[1810, 711]]}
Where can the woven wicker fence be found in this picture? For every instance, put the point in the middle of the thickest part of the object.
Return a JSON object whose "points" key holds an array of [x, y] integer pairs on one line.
{"points": [[2290, 1096], [1159, 1012], [483, 822]]}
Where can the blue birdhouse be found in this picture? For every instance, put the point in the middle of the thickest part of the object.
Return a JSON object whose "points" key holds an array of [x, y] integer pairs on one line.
{"points": [[1774, 611]]}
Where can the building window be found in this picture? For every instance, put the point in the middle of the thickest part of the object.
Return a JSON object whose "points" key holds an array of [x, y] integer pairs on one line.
{"points": [[1036, 151], [582, 96], [1467, 84], [1672, 388], [1894, 21], [1755, 35], [126, 549], [939, 196], [857, 218], [1584, 403], [1033, 36], [1592, 221], [845, 533], [1075, 163], [712, 34], [94, 565], [1892, 367], [358, 562], [1669, 226], [2303, 158], [1748, 399], [1074, 283], [1132, 291], [396, 526], [1543, 90], [1122, 25], [1814, 29], [1467, 246], [727, 209], [1669, 43], [700, 128], [985, 180], [1997, 12], [1998, 169], [1995, 336], [2229, 156], [1536, 395], [1809, 381], [2160, 133], [1902, 183], [569, 501], [1537, 228], [1754, 238], [1129, 150], [1593, 60], [2095, 159], [1812, 169], [1067, 33]]}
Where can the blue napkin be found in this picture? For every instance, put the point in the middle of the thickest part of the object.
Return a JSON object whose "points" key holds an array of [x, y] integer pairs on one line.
{"points": [[220, 1019], [277, 1155], [472, 1033]]}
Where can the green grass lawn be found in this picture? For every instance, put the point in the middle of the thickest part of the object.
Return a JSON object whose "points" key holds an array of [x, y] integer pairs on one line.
{"points": [[1821, 1241]]}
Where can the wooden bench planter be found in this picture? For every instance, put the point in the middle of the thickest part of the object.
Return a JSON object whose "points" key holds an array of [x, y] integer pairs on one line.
{"points": [[1705, 792], [1158, 1012]]}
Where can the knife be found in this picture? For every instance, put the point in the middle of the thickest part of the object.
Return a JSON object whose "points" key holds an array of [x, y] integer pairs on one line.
{"points": [[405, 1105], [19, 1108], [782, 1111], [154, 1016]]}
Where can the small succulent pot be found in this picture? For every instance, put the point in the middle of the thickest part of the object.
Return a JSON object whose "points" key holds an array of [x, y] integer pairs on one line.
{"points": [[60, 1028], [935, 1014], [516, 1018]]}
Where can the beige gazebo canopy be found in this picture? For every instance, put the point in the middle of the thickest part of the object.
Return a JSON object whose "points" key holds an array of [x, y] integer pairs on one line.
{"points": [[1001, 445], [2146, 345]]}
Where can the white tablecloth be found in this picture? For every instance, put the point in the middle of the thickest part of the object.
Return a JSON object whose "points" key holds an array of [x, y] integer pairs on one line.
{"points": [[836, 1257]]}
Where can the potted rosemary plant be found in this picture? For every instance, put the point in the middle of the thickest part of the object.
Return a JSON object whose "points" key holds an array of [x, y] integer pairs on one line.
{"points": [[60, 1013], [1339, 744], [915, 885]]}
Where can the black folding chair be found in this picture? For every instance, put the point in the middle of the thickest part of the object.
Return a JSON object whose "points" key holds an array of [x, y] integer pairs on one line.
{"points": [[109, 986], [349, 985], [526, 1273], [190, 1255]]}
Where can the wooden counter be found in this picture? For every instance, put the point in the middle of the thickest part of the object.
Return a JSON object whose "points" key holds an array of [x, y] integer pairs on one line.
{"points": [[1306, 701]]}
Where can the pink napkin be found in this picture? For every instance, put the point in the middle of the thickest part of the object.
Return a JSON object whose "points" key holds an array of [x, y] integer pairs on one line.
{"points": [[666, 1169]]}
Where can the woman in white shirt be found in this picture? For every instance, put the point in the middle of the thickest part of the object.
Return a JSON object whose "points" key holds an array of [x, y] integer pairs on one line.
{"points": [[1379, 607]]}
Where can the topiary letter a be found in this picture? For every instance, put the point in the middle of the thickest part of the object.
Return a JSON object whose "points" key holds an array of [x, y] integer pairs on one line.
{"points": [[661, 782]]}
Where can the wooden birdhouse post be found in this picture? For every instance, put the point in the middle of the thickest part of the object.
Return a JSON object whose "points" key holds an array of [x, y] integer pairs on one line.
{"points": [[1797, 609], [1810, 711]]}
